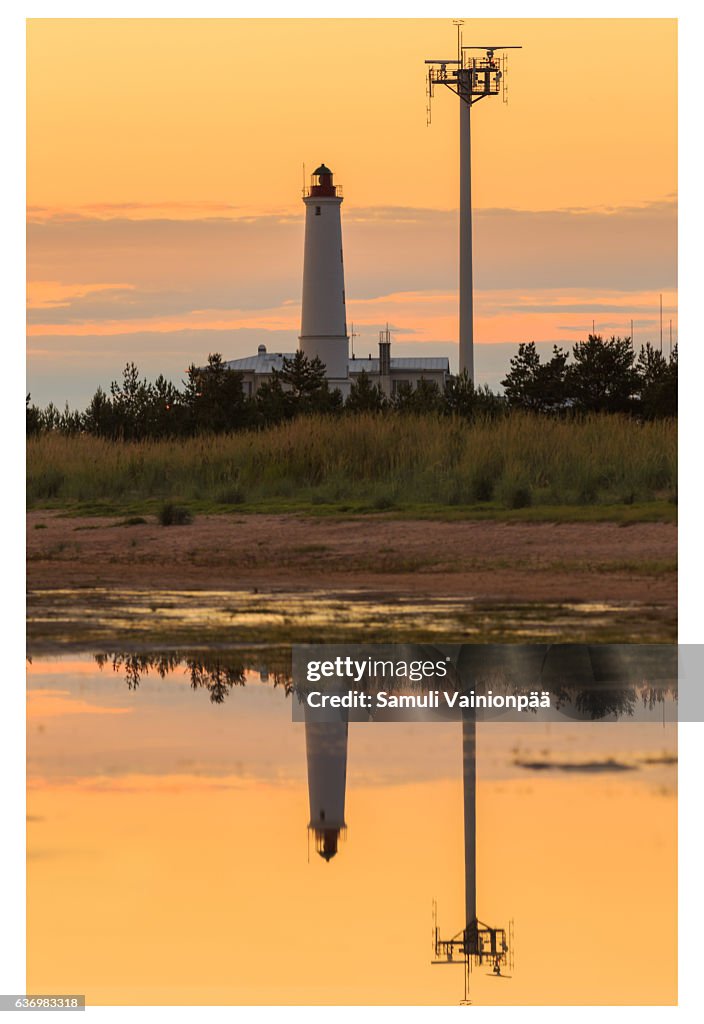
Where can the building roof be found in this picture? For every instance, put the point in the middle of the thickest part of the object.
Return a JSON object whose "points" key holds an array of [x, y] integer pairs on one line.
{"points": [[322, 170], [268, 361], [264, 362], [409, 363]]}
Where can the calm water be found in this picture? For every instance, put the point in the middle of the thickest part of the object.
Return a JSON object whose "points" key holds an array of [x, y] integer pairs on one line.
{"points": [[89, 617], [170, 859]]}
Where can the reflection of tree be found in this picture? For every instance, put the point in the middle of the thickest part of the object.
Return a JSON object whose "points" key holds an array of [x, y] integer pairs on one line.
{"points": [[216, 674], [135, 666], [596, 702], [217, 678], [601, 702], [584, 681], [613, 687]]}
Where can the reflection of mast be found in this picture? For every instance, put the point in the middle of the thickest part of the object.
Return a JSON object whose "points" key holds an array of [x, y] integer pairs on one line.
{"points": [[469, 765], [326, 753], [477, 943]]}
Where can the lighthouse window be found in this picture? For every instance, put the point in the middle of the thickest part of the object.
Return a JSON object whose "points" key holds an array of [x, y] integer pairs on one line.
{"points": [[317, 211]]}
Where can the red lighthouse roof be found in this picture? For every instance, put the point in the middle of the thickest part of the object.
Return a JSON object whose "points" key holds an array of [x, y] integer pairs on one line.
{"points": [[321, 183]]}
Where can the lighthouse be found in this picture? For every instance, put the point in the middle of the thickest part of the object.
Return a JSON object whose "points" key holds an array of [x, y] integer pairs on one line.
{"points": [[323, 316]]}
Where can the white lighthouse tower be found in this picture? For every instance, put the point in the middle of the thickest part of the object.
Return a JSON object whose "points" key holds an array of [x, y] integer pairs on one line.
{"points": [[323, 317]]}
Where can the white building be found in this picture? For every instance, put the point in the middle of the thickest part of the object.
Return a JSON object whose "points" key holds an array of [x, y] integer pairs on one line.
{"points": [[323, 315]]}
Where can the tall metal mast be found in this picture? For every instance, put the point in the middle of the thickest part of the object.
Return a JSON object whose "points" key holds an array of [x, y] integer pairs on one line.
{"points": [[471, 79]]}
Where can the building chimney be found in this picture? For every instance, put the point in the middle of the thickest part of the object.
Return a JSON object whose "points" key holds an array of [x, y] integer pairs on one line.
{"points": [[385, 352]]}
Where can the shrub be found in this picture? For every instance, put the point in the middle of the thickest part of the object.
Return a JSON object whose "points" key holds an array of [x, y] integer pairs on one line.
{"points": [[383, 501], [518, 496], [231, 496], [174, 515]]}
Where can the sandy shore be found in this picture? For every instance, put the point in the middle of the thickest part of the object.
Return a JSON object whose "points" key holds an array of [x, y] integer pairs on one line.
{"points": [[491, 561]]}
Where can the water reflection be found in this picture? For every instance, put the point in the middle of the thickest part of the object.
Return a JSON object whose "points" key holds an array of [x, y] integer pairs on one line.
{"points": [[94, 616], [326, 757], [217, 674], [586, 682], [590, 682], [477, 943], [129, 768]]}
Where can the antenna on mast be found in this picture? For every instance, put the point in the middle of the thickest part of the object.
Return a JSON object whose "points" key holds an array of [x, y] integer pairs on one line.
{"points": [[504, 78], [459, 22], [353, 335]]}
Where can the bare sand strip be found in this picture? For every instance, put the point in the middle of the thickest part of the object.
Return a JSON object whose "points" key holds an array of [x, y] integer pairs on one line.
{"points": [[482, 560]]}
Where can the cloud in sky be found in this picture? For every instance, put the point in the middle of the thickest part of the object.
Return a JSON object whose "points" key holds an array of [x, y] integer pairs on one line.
{"points": [[167, 290]]}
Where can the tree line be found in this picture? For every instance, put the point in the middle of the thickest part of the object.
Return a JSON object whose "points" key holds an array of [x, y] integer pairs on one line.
{"points": [[604, 375]]}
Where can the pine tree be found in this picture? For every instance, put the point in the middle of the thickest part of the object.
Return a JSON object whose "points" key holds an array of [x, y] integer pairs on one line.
{"points": [[657, 379], [365, 395], [303, 377], [602, 377], [533, 385]]}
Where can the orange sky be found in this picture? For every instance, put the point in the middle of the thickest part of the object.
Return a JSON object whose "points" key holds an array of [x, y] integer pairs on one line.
{"points": [[164, 173]]}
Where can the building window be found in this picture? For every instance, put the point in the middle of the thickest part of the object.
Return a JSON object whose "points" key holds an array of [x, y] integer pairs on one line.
{"points": [[317, 211], [247, 388]]}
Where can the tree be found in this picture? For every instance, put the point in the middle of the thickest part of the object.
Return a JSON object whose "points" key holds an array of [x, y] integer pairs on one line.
{"points": [[33, 417], [325, 402], [302, 377], [365, 396], [657, 379], [130, 402], [602, 377], [272, 403], [306, 387], [551, 381], [214, 397], [49, 418], [462, 398], [519, 382], [99, 417], [424, 398], [70, 421], [167, 412], [536, 386]]}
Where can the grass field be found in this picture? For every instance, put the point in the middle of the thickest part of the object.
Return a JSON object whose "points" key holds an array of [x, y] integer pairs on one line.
{"points": [[523, 467]]}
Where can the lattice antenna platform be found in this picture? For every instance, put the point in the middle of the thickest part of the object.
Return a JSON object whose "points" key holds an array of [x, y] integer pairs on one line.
{"points": [[477, 945], [471, 78]]}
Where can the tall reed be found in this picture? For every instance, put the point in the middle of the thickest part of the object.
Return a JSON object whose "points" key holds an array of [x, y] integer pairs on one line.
{"points": [[516, 460]]}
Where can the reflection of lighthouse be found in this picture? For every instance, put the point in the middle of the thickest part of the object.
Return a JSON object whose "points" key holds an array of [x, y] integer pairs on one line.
{"points": [[326, 753], [323, 317]]}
